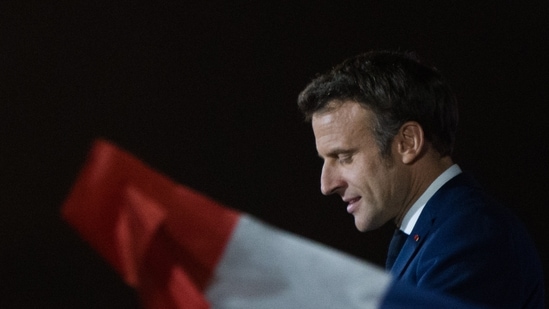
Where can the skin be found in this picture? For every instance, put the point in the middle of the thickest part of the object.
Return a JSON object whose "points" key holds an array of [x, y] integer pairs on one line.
{"points": [[376, 189]]}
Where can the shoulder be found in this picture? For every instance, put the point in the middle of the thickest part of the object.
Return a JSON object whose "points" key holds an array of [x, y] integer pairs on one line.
{"points": [[462, 210], [462, 198], [471, 240]]}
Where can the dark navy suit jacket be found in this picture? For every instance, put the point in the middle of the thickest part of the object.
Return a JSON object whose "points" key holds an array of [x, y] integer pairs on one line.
{"points": [[466, 245]]}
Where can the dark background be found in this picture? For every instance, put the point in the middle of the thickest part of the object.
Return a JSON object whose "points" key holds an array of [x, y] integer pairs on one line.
{"points": [[205, 91]]}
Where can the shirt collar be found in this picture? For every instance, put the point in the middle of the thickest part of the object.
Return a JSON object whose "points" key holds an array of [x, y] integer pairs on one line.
{"points": [[410, 219]]}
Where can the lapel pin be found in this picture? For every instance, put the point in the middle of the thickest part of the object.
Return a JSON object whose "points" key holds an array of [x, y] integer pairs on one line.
{"points": [[416, 237]]}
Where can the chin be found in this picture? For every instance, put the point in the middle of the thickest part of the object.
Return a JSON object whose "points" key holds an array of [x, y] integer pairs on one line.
{"points": [[365, 226], [362, 227]]}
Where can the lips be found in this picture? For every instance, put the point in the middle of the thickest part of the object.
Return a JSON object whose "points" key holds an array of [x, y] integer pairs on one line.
{"points": [[352, 204]]}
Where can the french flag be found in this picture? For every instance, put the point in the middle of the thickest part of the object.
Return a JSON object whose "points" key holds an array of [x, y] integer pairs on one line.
{"points": [[181, 249]]}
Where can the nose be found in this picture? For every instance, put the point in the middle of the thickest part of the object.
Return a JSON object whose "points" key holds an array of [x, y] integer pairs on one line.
{"points": [[330, 180]]}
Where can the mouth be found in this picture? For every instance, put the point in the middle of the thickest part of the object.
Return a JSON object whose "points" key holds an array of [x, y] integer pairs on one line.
{"points": [[352, 204]]}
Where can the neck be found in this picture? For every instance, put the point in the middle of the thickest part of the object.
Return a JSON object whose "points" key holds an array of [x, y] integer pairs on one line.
{"points": [[423, 174]]}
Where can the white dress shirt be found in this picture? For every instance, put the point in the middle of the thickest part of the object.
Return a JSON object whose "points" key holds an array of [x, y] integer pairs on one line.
{"points": [[410, 219]]}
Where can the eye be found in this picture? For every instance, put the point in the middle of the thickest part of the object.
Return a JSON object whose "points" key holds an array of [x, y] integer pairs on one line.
{"points": [[345, 159]]}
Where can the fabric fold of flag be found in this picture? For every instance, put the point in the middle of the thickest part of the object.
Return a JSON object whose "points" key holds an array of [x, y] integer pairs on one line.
{"points": [[163, 239]]}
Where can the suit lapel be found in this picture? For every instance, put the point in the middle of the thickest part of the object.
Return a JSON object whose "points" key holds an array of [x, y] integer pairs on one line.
{"points": [[413, 244], [426, 221]]}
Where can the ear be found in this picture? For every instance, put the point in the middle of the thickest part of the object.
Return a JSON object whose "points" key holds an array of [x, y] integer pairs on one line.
{"points": [[410, 142]]}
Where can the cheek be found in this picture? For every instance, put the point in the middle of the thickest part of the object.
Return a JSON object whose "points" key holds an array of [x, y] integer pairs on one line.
{"points": [[356, 177], [378, 185], [370, 176]]}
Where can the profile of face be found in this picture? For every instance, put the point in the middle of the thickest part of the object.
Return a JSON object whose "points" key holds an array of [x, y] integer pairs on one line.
{"points": [[373, 187]]}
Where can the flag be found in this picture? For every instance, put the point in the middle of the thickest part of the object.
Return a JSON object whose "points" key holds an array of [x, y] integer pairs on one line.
{"points": [[181, 249]]}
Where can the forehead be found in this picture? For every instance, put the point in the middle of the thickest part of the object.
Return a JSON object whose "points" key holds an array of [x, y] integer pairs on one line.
{"points": [[343, 115], [342, 123]]}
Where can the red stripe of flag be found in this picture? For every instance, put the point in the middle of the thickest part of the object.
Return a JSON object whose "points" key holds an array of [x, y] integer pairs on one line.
{"points": [[161, 237]]}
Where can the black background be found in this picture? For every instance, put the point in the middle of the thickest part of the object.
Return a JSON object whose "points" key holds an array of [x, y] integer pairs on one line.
{"points": [[205, 91]]}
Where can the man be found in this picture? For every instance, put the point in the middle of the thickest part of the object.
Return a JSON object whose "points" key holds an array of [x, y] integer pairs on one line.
{"points": [[385, 126]]}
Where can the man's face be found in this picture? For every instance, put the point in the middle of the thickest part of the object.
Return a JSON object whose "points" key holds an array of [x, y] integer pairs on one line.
{"points": [[373, 187]]}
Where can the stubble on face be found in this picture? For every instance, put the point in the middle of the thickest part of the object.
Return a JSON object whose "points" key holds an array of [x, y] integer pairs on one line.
{"points": [[353, 165]]}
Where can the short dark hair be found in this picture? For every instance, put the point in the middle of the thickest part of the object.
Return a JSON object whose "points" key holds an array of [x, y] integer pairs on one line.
{"points": [[398, 88]]}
